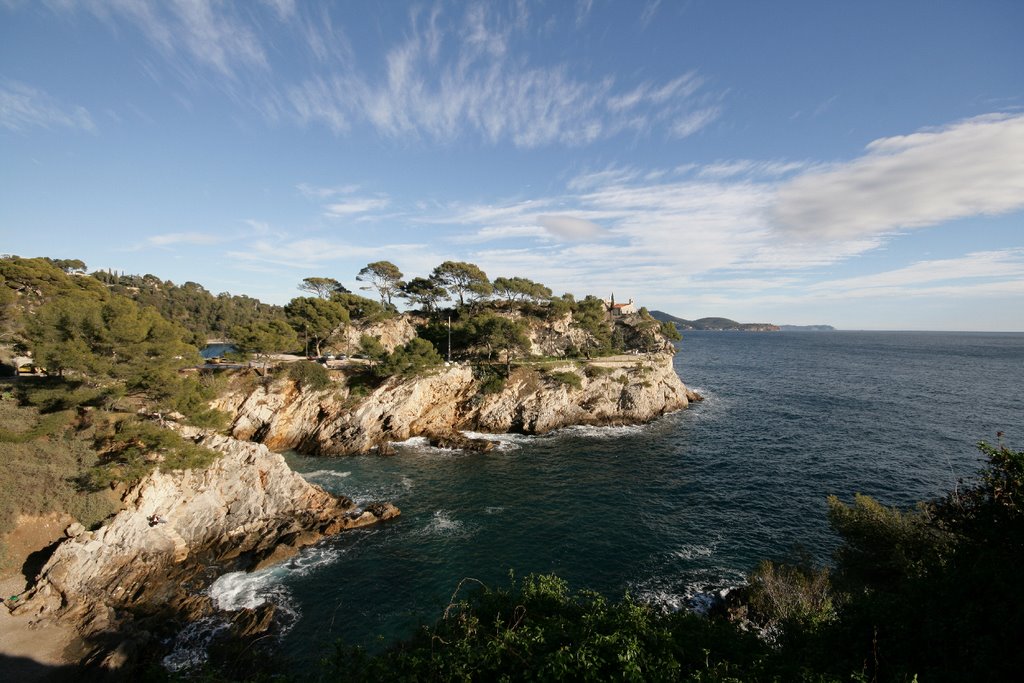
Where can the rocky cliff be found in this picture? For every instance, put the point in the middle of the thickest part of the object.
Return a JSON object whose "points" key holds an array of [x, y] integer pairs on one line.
{"points": [[532, 400], [179, 530]]}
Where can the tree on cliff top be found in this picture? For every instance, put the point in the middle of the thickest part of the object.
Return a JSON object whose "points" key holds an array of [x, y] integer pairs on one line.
{"points": [[383, 276], [498, 333], [423, 292], [321, 287], [460, 278], [264, 337], [514, 289], [315, 319]]}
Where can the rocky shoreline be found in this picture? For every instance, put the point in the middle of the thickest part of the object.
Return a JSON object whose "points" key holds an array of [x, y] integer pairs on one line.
{"points": [[453, 399], [133, 581], [141, 578]]}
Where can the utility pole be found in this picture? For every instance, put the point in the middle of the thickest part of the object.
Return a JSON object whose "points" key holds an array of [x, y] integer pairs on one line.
{"points": [[449, 339]]}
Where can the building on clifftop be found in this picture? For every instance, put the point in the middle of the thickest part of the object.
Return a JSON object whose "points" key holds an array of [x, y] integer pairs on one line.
{"points": [[620, 309]]}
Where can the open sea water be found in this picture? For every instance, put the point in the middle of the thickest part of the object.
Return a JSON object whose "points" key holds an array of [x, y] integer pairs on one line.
{"points": [[665, 511]]}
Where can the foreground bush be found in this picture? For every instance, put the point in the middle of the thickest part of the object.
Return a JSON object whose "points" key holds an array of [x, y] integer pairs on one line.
{"points": [[930, 594], [539, 630]]}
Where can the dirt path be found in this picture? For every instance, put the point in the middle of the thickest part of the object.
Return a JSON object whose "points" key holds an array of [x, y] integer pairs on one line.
{"points": [[31, 650]]}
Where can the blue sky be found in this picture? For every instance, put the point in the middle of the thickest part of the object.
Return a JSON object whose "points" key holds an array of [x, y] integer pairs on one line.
{"points": [[852, 163]]}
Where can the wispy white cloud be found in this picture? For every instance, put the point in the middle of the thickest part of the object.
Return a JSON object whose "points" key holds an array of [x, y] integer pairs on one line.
{"points": [[649, 11], [211, 35], [974, 167], [570, 227], [320, 192], [451, 77], [716, 226], [23, 107], [748, 167], [505, 232], [171, 238], [1005, 264], [693, 122], [354, 206], [320, 255]]}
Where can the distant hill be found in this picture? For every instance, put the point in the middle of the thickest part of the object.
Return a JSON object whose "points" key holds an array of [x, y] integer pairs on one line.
{"points": [[807, 328], [713, 323]]}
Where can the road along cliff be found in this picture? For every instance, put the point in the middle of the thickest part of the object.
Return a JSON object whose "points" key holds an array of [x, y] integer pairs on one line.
{"points": [[350, 417], [145, 572]]}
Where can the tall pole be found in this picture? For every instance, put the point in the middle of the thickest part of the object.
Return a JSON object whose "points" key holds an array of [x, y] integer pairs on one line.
{"points": [[449, 339]]}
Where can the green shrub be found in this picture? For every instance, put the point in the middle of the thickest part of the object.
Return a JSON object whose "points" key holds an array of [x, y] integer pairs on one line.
{"points": [[543, 631], [567, 378], [136, 448], [310, 375], [596, 371], [47, 425], [794, 595], [411, 359]]}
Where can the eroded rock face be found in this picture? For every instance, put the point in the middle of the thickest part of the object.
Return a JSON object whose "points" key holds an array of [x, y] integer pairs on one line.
{"points": [[629, 390], [179, 530], [391, 333]]}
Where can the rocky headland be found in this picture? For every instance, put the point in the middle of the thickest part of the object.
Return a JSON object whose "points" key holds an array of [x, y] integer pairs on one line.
{"points": [[143, 574], [349, 418]]}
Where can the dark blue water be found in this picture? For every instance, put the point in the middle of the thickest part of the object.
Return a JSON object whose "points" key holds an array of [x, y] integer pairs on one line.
{"points": [[666, 510]]}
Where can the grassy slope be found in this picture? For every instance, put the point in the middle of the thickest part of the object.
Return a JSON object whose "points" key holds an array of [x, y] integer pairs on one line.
{"points": [[43, 457]]}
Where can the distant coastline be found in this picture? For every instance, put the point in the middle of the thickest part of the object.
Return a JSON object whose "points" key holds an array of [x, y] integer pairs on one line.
{"points": [[713, 324], [725, 324]]}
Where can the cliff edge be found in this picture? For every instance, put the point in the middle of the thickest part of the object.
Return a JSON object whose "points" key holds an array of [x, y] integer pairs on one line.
{"points": [[145, 570], [341, 420]]}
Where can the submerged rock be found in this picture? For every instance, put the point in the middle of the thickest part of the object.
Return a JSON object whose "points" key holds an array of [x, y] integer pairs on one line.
{"points": [[461, 442]]}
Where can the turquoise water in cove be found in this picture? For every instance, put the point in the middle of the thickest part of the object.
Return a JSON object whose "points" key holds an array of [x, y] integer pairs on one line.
{"points": [[664, 511]]}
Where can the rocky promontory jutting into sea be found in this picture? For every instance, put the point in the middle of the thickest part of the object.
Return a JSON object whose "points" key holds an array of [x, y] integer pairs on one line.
{"points": [[180, 454], [126, 582]]}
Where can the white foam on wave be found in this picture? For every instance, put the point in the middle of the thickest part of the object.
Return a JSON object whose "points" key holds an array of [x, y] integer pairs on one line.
{"points": [[691, 551], [697, 592], [310, 559], [443, 524], [190, 645], [506, 442], [412, 442], [494, 510], [420, 445], [602, 432], [246, 590], [320, 474]]}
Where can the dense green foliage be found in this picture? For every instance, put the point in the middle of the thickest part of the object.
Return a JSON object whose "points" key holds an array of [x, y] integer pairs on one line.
{"points": [[134, 448], [384, 277], [315, 319], [322, 287], [45, 456], [930, 594], [365, 310], [539, 630], [310, 375], [460, 279], [265, 337], [566, 377], [423, 292], [411, 359], [190, 305]]}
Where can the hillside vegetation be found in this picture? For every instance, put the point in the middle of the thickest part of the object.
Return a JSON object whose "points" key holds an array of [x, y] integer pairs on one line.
{"points": [[110, 348]]}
